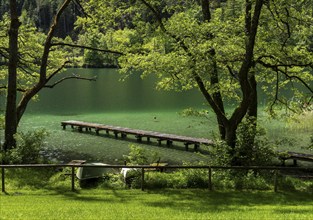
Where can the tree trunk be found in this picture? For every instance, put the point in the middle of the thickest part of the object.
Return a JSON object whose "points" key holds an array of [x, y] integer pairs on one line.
{"points": [[231, 140], [217, 96], [13, 112], [21, 107], [230, 135], [10, 113], [252, 112], [253, 107]]}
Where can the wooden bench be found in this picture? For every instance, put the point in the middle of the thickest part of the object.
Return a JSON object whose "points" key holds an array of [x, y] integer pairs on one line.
{"points": [[295, 157], [160, 166]]}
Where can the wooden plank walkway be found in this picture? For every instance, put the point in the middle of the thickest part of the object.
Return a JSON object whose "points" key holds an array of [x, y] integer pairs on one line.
{"points": [[139, 134]]}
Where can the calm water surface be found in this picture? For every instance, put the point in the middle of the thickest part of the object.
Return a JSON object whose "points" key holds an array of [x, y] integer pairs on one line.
{"points": [[108, 93]]}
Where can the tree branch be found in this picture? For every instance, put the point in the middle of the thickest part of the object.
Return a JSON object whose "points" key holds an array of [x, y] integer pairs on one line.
{"points": [[86, 47], [156, 14], [24, 69], [57, 71], [232, 73], [81, 8], [4, 52], [277, 69], [69, 77], [18, 89], [279, 63], [306, 85], [279, 19], [276, 92], [47, 45], [276, 98], [159, 19]]}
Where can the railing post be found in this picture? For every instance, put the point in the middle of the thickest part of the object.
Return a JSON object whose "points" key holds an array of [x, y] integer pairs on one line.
{"points": [[142, 178], [275, 180], [73, 179], [210, 178], [2, 178]]}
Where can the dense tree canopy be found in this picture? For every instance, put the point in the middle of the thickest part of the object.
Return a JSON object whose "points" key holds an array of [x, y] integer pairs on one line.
{"points": [[223, 48]]}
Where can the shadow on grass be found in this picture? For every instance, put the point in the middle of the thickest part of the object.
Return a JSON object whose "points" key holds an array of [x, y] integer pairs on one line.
{"points": [[293, 211], [99, 196], [199, 201], [187, 201], [204, 201]]}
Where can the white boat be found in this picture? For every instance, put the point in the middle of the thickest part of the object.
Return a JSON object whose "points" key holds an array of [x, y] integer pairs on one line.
{"points": [[84, 173]]}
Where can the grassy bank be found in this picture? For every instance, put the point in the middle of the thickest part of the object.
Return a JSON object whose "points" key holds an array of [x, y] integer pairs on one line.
{"points": [[167, 204]]}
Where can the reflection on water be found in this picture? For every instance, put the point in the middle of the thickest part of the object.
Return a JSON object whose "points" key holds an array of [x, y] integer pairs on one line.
{"points": [[108, 93]]}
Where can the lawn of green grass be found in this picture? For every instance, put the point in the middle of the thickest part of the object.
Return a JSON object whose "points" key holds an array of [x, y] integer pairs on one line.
{"points": [[165, 204]]}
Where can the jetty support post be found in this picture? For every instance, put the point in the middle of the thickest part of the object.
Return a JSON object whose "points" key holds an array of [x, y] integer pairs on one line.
{"points": [[186, 146]]}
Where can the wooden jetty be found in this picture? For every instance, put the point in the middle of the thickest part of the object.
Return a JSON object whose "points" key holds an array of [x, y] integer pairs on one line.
{"points": [[139, 134]]}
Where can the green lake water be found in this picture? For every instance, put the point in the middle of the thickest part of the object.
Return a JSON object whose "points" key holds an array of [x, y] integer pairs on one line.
{"points": [[110, 94]]}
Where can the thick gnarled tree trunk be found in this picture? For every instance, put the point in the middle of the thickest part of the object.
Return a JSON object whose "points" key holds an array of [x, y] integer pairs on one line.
{"points": [[10, 113], [248, 105]]}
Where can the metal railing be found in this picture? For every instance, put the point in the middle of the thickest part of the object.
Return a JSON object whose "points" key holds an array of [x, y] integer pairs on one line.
{"points": [[143, 167]]}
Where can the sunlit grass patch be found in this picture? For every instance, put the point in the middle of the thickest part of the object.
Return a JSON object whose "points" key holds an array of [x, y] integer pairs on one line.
{"points": [[167, 204], [302, 122]]}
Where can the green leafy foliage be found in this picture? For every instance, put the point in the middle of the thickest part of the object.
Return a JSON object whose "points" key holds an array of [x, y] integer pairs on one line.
{"points": [[28, 178], [140, 156], [1, 122], [31, 43], [252, 148], [29, 148]]}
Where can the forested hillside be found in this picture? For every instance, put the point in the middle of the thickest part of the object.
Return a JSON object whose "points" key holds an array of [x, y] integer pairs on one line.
{"points": [[41, 12]]}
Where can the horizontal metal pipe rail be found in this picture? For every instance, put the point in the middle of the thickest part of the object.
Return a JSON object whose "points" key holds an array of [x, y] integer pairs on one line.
{"points": [[143, 167]]}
